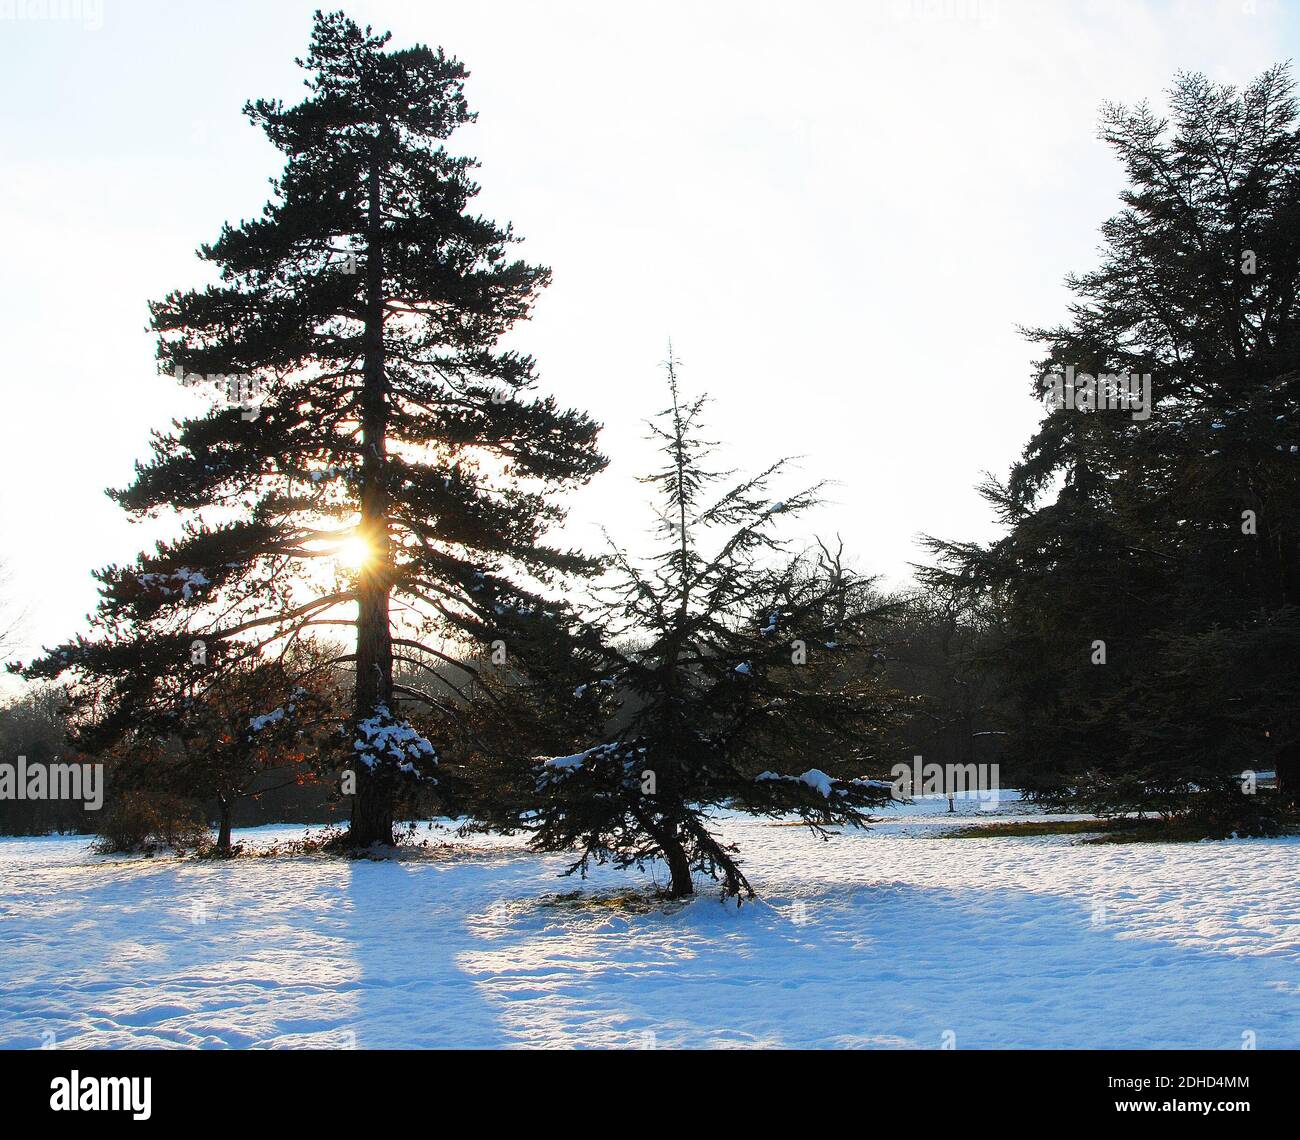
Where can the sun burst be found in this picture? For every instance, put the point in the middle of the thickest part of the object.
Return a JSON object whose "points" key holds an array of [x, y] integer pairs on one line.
{"points": [[354, 552]]}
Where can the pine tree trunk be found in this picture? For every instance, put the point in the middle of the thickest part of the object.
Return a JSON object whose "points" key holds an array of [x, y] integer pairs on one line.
{"points": [[372, 812], [372, 807]]}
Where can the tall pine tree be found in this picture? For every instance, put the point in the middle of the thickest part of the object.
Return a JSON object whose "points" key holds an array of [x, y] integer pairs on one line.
{"points": [[383, 464]]}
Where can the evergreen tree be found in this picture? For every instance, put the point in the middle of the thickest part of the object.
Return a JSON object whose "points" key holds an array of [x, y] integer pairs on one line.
{"points": [[381, 463], [729, 658], [1144, 554]]}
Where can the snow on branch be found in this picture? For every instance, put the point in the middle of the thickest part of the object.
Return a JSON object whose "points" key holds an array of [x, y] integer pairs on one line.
{"points": [[609, 757], [384, 740], [819, 781], [181, 582]]}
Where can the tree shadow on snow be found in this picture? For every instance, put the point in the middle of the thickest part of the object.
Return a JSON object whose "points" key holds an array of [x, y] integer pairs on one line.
{"points": [[889, 965]]}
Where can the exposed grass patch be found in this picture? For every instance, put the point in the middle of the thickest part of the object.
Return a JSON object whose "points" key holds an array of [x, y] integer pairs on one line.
{"points": [[1125, 829], [1175, 831], [1047, 826], [623, 901]]}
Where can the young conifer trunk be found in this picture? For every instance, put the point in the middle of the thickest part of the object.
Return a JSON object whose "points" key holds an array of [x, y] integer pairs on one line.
{"points": [[666, 835], [683, 885]]}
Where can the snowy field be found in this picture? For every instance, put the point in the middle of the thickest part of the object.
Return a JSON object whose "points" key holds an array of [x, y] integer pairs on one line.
{"points": [[891, 937]]}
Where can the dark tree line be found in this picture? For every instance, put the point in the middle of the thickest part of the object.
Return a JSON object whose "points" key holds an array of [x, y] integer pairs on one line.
{"points": [[1148, 586]]}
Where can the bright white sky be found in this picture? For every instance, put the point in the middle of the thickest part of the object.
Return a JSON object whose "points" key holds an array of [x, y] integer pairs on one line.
{"points": [[839, 212]]}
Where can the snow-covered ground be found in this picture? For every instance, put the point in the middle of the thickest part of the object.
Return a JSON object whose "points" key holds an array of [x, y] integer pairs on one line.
{"points": [[891, 937]]}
